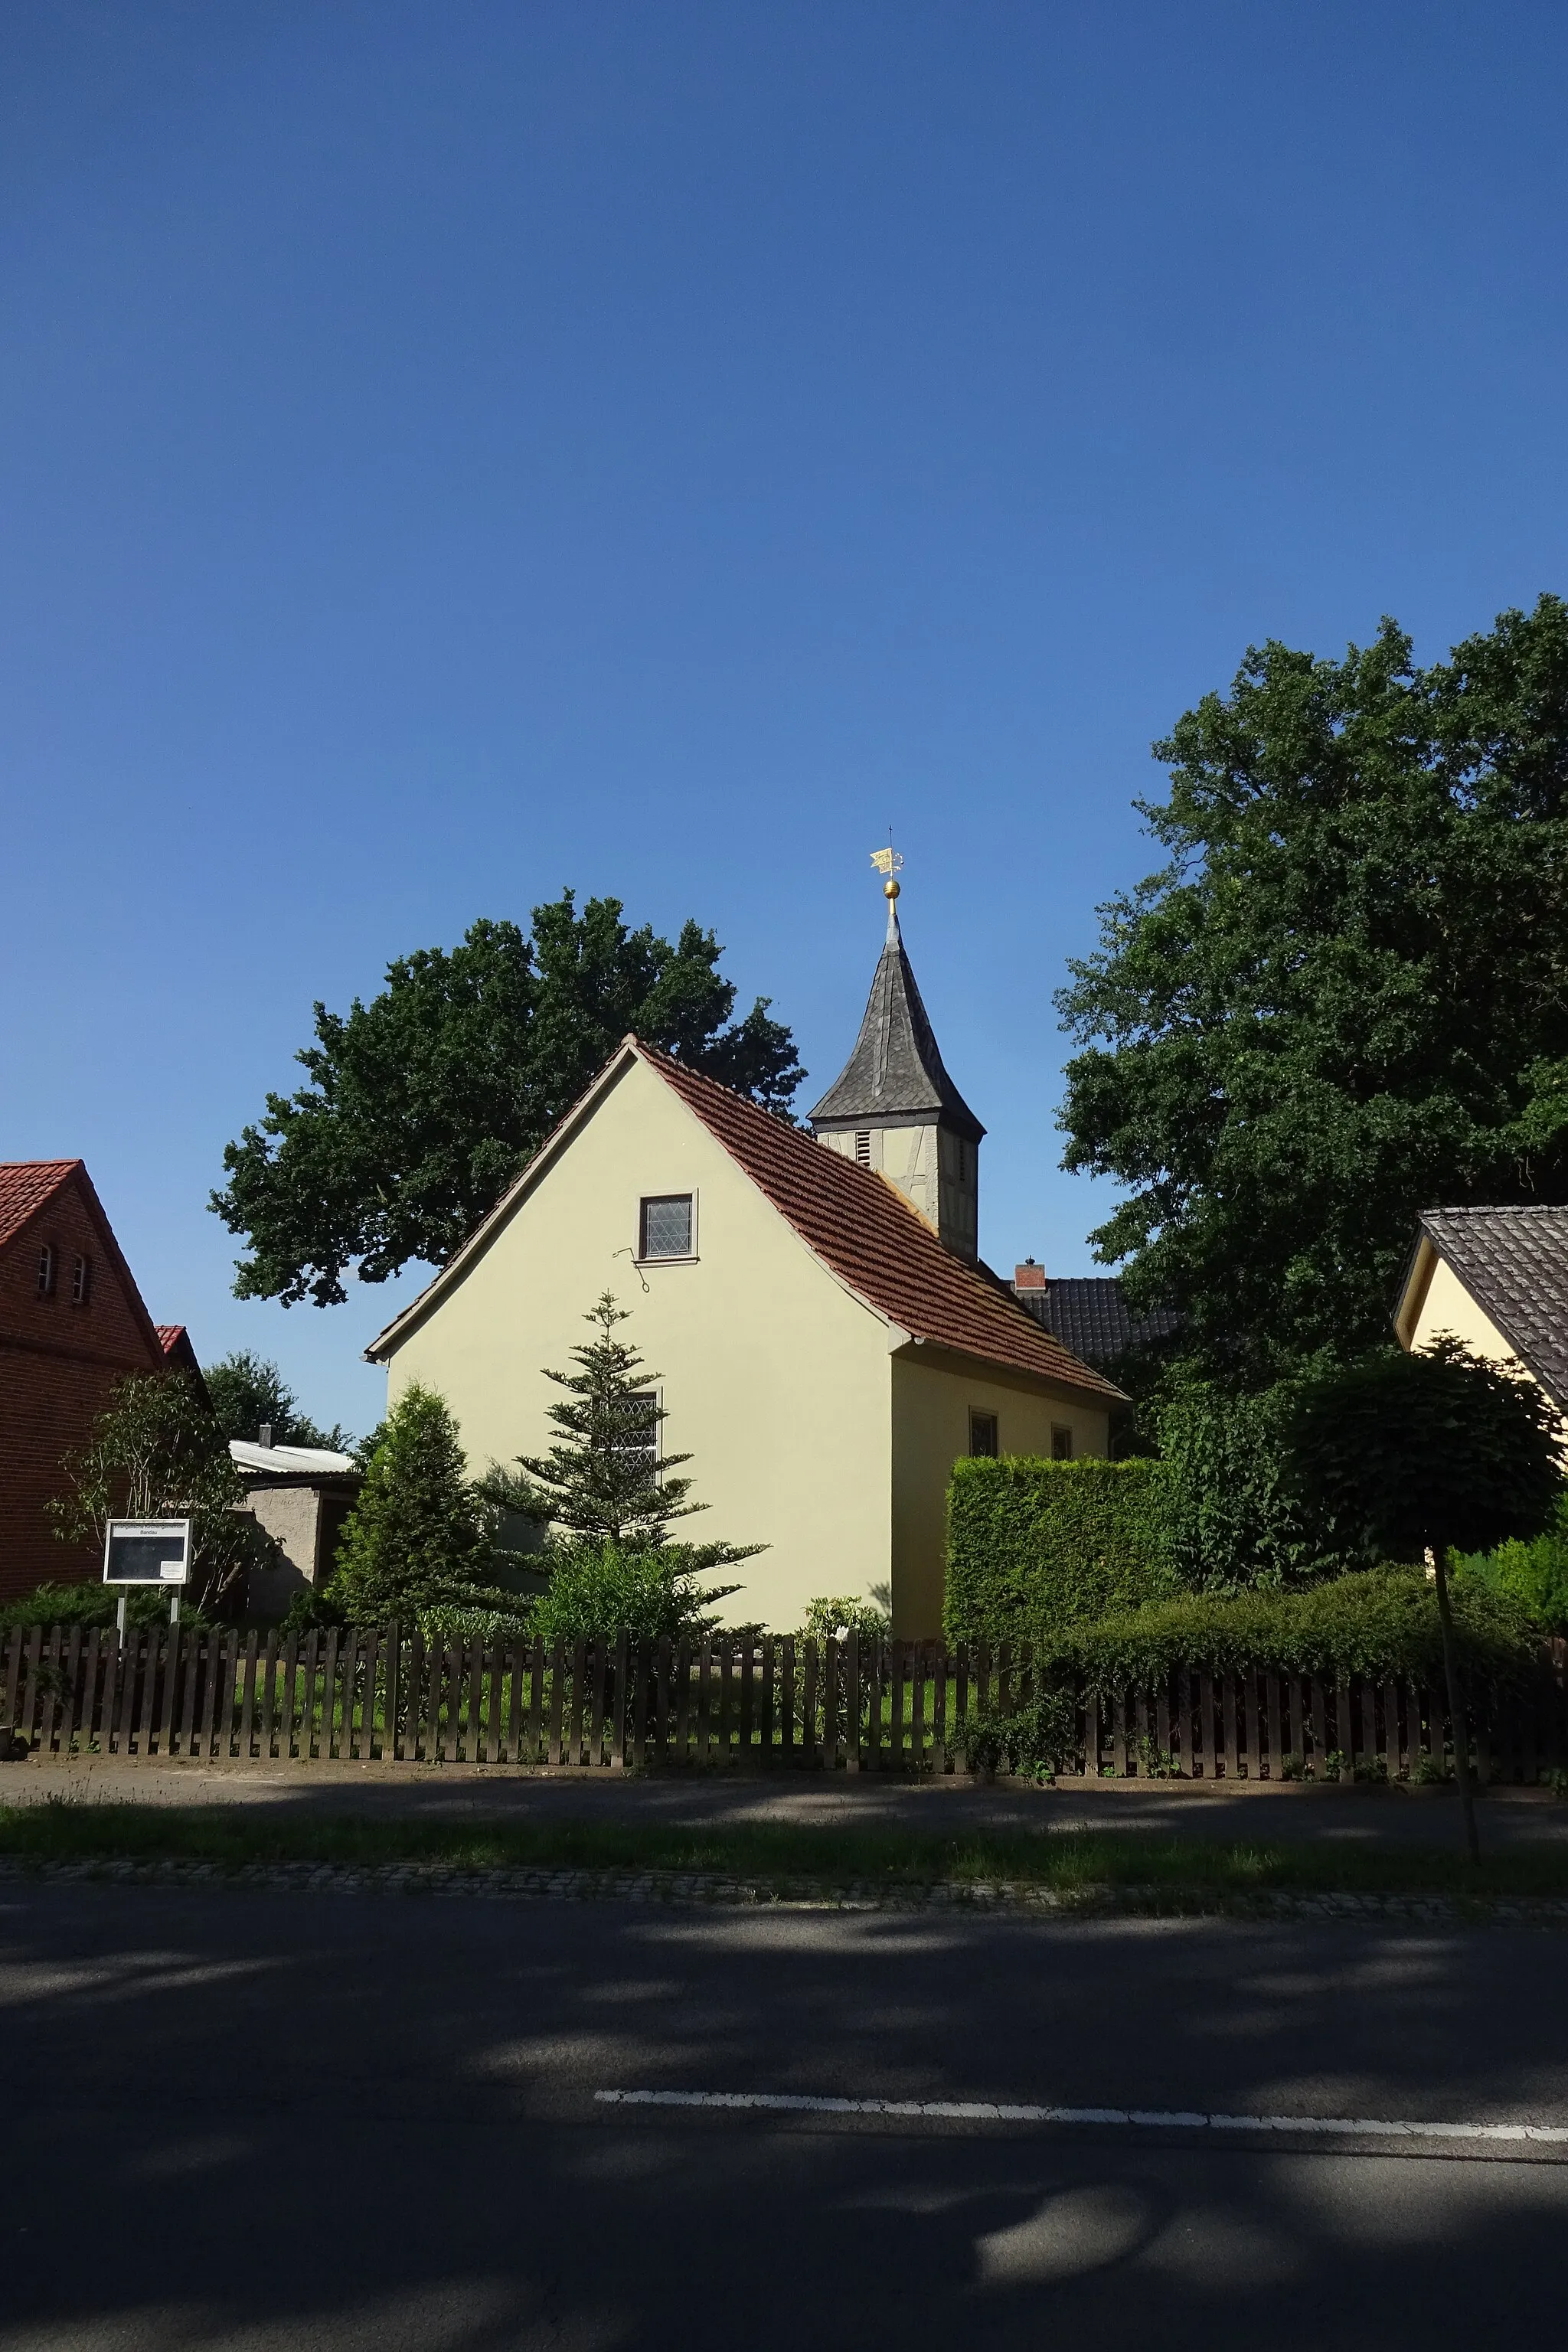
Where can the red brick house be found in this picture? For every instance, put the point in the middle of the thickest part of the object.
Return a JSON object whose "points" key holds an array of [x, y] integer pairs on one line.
{"points": [[71, 1324]]}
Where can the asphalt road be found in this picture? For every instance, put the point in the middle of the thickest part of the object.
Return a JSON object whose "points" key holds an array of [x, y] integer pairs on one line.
{"points": [[367, 2124], [943, 1805]]}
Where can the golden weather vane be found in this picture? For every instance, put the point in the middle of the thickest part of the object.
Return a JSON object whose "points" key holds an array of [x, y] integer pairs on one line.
{"points": [[889, 862]]}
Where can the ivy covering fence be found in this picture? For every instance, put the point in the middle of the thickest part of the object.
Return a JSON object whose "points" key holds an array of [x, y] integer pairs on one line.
{"points": [[341, 1698]]}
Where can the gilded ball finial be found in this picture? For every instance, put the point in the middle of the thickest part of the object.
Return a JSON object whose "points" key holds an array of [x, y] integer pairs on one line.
{"points": [[890, 887]]}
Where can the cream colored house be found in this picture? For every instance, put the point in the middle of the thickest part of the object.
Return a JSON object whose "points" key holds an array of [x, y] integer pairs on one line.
{"points": [[825, 1341], [1496, 1279]]}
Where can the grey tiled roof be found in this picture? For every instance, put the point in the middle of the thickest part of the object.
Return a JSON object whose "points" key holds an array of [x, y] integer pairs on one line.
{"points": [[1089, 1314], [895, 1072], [1514, 1263]]}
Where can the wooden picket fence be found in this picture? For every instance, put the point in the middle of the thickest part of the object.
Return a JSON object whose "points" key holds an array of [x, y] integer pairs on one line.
{"points": [[851, 1706]]}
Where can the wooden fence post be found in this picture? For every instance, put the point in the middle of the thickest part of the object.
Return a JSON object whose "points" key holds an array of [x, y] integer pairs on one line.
{"points": [[248, 1711], [557, 1698], [683, 1700], [495, 1701], [765, 1724], [661, 1700], [536, 1700], [811, 1753], [616, 1743], [786, 1700]]}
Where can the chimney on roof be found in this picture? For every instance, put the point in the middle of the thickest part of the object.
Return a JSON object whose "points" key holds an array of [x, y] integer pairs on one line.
{"points": [[264, 1436], [1029, 1277]]}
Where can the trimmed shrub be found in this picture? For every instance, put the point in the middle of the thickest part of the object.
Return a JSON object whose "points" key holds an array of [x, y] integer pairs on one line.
{"points": [[1379, 1621], [1035, 1546], [834, 1619], [648, 1591], [1240, 1518]]}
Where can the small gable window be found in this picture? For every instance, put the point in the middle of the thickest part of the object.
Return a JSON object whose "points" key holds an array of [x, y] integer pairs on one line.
{"points": [[81, 1281], [982, 1436], [1061, 1444], [47, 1271], [668, 1226]]}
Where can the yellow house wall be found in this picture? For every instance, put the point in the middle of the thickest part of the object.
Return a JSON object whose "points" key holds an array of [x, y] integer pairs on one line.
{"points": [[934, 1396], [1449, 1306], [775, 1380]]}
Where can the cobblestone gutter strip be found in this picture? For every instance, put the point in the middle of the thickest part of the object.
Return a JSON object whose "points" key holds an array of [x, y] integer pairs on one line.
{"points": [[996, 1898]]}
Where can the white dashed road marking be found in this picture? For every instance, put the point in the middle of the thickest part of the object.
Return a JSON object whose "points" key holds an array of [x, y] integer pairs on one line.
{"points": [[992, 2111]]}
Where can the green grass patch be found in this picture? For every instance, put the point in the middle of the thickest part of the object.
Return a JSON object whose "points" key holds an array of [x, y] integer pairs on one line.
{"points": [[1071, 1863]]}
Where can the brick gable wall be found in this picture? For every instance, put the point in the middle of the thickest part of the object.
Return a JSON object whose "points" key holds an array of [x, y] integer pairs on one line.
{"points": [[58, 1362]]}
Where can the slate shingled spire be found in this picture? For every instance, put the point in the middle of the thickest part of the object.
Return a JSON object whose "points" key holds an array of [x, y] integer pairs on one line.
{"points": [[894, 1107], [895, 1076]]}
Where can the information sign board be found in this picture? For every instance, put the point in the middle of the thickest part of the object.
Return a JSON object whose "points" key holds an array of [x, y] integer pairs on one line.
{"points": [[147, 1551]]}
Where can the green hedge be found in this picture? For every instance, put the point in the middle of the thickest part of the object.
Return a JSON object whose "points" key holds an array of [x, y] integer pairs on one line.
{"points": [[96, 1604], [1535, 1573], [1380, 1621], [1034, 1546]]}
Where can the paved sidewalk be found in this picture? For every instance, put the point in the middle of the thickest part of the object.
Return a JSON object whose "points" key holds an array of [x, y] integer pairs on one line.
{"points": [[941, 1806]]}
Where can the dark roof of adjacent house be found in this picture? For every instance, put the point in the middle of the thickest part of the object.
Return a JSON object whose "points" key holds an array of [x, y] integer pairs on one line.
{"points": [[896, 1072], [1090, 1314], [1514, 1263], [26, 1185], [862, 1228]]}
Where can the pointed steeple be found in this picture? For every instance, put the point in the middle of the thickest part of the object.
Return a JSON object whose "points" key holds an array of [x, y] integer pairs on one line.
{"points": [[894, 1107]]}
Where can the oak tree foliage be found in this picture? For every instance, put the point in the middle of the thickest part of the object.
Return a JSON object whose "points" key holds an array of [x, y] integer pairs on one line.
{"points": [[1343, 998], [424, 1103]]}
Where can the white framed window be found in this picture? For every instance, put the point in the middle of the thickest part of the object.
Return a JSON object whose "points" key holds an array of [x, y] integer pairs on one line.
{"points": [[1061, 1442], [983, 1435], [667, 1225], [47, 1271], [863, 1145], [81, 1281]]}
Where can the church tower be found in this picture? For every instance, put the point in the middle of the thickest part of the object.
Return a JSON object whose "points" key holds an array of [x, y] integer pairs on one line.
{"points": [[894, 1108]]}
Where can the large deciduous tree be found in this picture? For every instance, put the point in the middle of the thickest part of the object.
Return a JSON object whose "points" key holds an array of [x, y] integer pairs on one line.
{"points": [[1343, 998], [424, 1103]]}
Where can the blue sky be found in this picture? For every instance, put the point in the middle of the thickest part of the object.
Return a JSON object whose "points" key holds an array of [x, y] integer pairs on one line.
{"points": [[452, 450]]}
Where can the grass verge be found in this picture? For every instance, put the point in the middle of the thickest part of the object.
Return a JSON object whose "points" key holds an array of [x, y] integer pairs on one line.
{"points": [[1070, 1863]]}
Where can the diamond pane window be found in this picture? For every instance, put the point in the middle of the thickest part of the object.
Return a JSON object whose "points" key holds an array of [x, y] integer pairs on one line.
{"points": [[666, 1226]]}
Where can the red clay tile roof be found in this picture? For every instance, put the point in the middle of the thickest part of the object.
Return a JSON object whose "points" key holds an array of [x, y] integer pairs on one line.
{"points": [[861, 1226], [25, 1186]]}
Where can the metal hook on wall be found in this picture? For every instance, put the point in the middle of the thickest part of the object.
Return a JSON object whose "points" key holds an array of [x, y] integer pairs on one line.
{"points": [[636, 1269]]}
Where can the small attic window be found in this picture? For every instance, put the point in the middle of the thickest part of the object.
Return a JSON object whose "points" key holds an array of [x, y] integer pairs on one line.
{"points": [[81, 1281], [47, 1271], [668, 1226], [863, 1145]]}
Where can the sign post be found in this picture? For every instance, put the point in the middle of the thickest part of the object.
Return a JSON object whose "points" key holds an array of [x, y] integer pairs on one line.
{"points": [[147, 1551]]}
